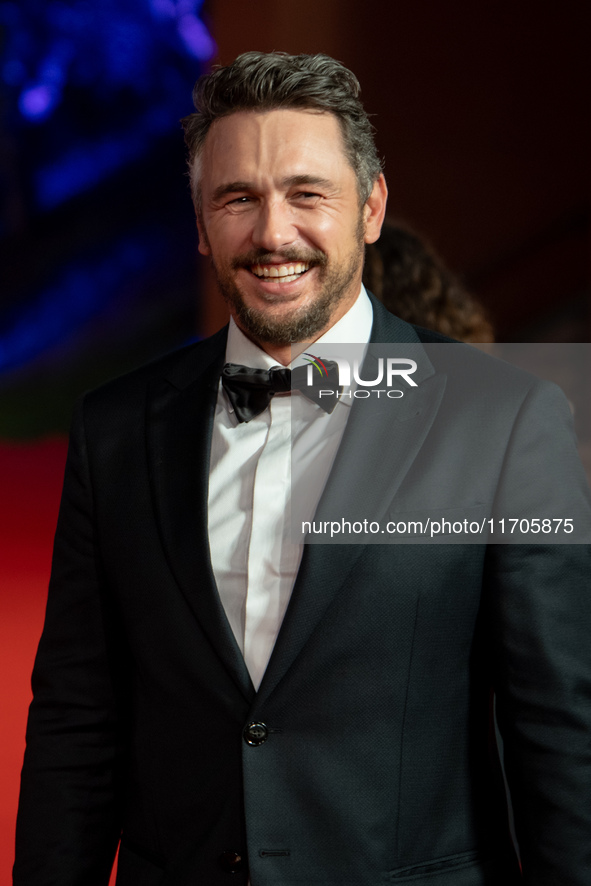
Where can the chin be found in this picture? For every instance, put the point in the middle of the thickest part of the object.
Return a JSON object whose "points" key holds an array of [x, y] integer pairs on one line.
{"points": [[283, 327]]}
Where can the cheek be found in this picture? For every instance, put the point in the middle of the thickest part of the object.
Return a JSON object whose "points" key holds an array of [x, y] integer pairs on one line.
{"points": [[336, 230], [323, 232], [229, 235]]}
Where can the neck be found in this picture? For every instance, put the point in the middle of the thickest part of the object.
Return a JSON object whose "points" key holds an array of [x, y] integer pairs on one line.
{"points": [[282, 354]]}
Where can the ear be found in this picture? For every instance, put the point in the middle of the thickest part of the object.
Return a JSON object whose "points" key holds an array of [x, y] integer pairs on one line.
{"points": [[375, 210], [204, 247]]}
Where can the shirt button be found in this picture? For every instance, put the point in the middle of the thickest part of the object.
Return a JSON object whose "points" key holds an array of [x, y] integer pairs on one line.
{"points": [[256, 734], [231, 862]]}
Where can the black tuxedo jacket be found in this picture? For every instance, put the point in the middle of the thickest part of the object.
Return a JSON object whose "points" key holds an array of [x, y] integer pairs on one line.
{"points": [[375, 764]]}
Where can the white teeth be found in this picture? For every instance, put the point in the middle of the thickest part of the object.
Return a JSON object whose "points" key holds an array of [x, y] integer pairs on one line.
{"points": [[286, 272]]}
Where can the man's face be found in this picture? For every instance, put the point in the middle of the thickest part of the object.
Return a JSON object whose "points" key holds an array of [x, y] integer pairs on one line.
{"points": [[282, 222]]}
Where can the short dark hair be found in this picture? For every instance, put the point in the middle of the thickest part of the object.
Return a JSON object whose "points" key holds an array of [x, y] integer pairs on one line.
{"points": [[265, 81]]}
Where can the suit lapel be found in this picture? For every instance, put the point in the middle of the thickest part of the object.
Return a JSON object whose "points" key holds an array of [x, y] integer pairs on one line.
{"points": [[181, 410], [369, 468]]}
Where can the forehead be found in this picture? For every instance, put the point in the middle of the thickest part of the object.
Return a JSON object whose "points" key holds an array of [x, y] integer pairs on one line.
{"points": [[253, 145]]}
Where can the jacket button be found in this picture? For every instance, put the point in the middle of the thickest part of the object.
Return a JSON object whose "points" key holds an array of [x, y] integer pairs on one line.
{"points": [[256, 734], [231, 862]]}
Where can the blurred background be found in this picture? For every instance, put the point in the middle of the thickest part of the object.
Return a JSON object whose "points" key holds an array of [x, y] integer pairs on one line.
{"points": [[481, 113]]}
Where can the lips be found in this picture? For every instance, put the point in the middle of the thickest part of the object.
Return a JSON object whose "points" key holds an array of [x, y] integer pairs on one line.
{"points": [[284, 273]]}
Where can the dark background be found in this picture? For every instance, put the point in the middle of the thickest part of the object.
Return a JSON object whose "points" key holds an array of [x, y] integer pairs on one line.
{"points": [[481, 111]]}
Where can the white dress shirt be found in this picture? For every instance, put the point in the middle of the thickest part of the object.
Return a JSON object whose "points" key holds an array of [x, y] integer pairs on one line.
{"points": [[252, 470]]}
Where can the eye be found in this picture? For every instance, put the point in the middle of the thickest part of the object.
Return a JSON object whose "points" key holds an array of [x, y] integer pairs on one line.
{"points": [[306, 198], [239, 204]]}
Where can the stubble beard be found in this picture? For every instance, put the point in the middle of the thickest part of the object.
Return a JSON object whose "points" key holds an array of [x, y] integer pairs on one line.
{"points": [[307, 320]]}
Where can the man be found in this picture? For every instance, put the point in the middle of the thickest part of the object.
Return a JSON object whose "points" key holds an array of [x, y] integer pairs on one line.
{"points": [[235, 705]]}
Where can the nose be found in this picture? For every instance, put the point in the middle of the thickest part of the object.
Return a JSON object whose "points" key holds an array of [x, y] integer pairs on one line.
{"points": [[274, 226]]}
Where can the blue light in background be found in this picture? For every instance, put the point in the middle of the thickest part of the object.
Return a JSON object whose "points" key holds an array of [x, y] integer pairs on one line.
{"points": [[84, 167], [13, 72], [37, 102], [196, 37], [88, 163], [102, 48], [102, 45], [79, 295], [100, 81]]}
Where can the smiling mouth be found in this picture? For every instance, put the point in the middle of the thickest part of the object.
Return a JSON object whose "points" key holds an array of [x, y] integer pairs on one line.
{"points": [[285, 273]]}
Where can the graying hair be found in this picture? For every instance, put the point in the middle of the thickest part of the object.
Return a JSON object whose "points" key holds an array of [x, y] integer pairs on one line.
{"points": [[265, 81]]}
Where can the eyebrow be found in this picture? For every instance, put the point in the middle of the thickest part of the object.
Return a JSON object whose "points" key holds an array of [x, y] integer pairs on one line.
{"points": [[289, 182], [307, 180]]}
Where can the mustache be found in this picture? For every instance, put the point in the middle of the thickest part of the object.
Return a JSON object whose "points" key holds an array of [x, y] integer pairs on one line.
{"points": [[289, 254]]}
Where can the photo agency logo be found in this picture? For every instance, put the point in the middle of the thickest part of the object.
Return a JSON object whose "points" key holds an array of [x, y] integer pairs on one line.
{"points": [[346, 376]]}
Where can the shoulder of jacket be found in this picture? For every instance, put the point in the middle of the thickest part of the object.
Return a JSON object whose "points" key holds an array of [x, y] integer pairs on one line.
{"points": [[180, 366]]}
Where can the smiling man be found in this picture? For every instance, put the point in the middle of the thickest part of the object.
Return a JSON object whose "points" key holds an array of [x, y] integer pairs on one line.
{"points": [[283, 213], [282, 220], [230, 704]]}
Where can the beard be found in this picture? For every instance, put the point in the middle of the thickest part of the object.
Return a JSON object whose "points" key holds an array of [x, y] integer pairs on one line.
{"points": [[306, 321]]}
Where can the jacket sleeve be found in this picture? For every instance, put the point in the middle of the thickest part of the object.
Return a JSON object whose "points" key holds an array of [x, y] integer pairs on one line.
{"points": [[539, 611], [69, 817]]}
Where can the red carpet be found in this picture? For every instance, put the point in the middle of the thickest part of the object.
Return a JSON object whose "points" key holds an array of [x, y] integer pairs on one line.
{"points": [[30, 485]]}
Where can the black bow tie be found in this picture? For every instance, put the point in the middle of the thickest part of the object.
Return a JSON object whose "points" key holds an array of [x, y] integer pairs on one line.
{"points": [[250, 390]]}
